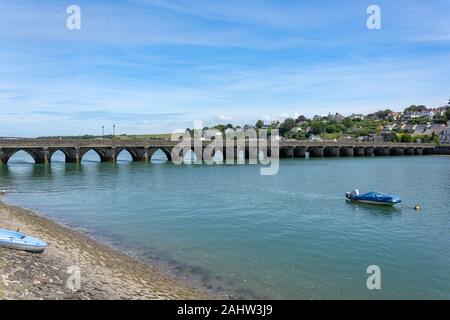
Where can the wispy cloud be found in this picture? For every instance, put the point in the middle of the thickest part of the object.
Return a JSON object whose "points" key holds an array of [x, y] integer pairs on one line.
{"points": [[156, 65]]}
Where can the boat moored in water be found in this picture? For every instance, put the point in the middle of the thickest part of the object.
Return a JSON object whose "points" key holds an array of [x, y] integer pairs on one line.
{"points": [[373, 198], [19, 241]]}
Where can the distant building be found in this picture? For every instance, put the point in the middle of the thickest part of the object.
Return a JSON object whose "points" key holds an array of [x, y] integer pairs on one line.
{"points": [[388, 136], [382, 137], [409, 128], [395, 115], [437, 129], [424, 113], [372, 138], [445, 134], [389, 127], [314, 138], [357, 116], [420, 129], [337, 117]]}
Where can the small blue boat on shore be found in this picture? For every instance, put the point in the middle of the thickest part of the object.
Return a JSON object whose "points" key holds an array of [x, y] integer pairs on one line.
{"points": [[19, 241], [373, 198]]}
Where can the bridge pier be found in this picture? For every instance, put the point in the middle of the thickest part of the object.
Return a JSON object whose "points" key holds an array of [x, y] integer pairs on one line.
{"points": [[397, 151], [3, 157], [408, 152], [315, 152], [346, 151], [109, 154], [251, 154], [43, 156], [286, 152], [358, 151], [381, 151], [369, 152], [233, 155], [198, 155], [299, 152], [137, 154], [427, 151], [331, 152]]}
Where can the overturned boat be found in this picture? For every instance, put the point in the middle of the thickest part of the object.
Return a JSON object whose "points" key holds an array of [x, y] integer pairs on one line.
{"points": [[19, 241], [373, 198]]}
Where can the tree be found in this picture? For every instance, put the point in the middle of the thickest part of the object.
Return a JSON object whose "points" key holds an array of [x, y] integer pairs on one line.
{"points": [[259, 124], [406, 137], [301, 118], [287, 125], [347, 122], [317, 127]]}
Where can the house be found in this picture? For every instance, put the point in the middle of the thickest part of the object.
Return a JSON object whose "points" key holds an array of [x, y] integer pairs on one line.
{"points": [[423, 113], [314, 138], [409, 115], [336, 117], [372, 138], [382, 137], [445, 134], [357, 116], [419, 129], [296, 129], [389, 127], [388, 136], [395, 115], [437, 129], [409, 128]]}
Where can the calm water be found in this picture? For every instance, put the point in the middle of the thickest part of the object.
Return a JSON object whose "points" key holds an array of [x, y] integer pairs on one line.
{"points": [[291, 235]]}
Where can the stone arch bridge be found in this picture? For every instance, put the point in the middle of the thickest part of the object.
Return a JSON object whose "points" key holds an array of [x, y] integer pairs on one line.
{"points": [[41, 150]]}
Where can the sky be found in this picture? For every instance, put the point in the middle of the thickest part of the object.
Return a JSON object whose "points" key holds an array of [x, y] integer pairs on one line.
{"points": [[154, 66]]}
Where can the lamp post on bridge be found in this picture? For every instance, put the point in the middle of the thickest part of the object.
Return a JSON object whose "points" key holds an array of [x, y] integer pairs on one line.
{"points": [[114, 134]]}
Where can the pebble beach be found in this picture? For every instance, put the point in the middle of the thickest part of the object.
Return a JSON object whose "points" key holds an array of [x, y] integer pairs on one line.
{"points": [[104, 272]]}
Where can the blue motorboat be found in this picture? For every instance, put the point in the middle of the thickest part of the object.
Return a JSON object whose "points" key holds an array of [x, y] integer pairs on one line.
{"points": [[373, 198], [19, 241]]}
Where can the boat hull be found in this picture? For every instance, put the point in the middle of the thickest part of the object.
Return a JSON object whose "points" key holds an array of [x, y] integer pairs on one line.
{"points": [[374, 202], [22, 247], [19, 241], [374, 198]]}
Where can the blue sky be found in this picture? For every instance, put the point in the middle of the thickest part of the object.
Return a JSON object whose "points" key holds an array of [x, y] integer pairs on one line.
{"points": [[152, 66]]}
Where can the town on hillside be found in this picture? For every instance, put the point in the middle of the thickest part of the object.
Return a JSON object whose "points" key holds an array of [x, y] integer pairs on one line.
{"points": [[414, 124]]}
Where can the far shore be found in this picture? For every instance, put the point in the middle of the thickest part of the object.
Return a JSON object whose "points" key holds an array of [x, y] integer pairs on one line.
{"points": [[105, 272]]}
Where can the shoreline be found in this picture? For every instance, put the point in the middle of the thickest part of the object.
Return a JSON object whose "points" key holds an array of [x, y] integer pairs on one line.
{"points": [[106, 273]]}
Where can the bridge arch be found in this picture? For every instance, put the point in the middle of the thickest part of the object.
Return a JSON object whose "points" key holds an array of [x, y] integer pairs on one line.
{"points": [[159, 154], [91, 155], [57, 154], [26, 153], [125, 154]]}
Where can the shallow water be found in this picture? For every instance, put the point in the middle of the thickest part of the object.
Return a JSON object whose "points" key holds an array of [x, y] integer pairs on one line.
{"points": [[290, 236]]}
